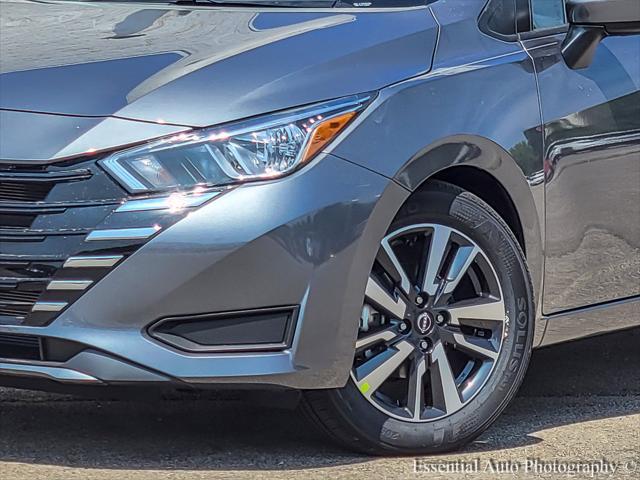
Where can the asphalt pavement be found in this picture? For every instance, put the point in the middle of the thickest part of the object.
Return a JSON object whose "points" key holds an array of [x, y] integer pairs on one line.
{"points": [[577, 416]]}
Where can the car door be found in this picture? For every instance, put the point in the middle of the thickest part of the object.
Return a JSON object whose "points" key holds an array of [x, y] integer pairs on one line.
{"points": [[591, 122]]}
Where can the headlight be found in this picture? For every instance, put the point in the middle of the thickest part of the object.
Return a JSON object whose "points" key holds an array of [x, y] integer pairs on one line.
{"points": [[267, 147]]}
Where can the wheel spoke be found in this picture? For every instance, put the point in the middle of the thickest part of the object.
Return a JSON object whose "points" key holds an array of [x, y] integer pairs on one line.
{"points": [[476, 347], [443, 384], [478, 309], [380, 297], [460, 316], [376, 371], [462, 260], [437, 249], [415, 400], [389, 260], [385, 335]]}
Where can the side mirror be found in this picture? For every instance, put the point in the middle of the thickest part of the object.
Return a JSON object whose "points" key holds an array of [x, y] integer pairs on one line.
{"points": [[592, 20]]}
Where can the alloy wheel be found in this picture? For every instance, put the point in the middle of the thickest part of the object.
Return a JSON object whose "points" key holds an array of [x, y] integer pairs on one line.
{"points": [[432, 324]]}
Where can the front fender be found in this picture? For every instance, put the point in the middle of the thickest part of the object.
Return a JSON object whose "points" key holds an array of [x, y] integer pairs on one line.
{"points": [[526, 193], [456, 115]]}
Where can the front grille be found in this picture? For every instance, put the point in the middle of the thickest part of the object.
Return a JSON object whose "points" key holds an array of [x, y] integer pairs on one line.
{"points": [[19, 221], [17, 303], [46, 215], [21, 284], [16, 191]]}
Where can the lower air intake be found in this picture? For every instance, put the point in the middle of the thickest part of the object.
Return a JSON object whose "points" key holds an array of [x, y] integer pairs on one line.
{"points": [[35, 347], [20, 347], [255, 330]]}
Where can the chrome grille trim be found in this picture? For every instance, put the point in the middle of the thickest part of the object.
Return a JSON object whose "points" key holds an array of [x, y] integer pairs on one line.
{"points": [[95, 261], [122, 234], [48, 306], [69, 284]]}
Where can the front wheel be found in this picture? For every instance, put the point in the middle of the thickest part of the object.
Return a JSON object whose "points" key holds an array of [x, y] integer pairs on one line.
{"points": [[445, 331]]}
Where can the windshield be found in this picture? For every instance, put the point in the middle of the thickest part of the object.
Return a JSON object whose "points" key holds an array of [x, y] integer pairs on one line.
{"points": [[277, 3]]}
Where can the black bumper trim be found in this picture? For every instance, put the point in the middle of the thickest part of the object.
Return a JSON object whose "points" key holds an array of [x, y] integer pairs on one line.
{"points": [[266, 329]]}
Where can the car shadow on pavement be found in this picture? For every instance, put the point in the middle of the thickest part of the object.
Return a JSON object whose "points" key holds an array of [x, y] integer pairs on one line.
{"points": [[571, 383], [235, 430]]}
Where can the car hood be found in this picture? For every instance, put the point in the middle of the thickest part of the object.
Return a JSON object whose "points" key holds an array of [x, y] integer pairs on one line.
{"points": [[199, 66]]}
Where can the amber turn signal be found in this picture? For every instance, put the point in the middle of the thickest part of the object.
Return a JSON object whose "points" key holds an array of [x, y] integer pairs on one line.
{"points": [[324, 133]]}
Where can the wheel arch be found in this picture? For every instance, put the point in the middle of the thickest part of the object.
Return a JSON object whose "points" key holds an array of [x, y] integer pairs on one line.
{"points": [[489, 189], [487, 170]]}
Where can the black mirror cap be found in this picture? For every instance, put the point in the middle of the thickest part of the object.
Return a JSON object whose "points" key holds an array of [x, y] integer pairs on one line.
{"points": [[592, 20], [615, 16]]}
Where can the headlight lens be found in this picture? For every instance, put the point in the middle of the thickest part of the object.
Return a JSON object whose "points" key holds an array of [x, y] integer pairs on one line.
{"points": [[268, 147]]}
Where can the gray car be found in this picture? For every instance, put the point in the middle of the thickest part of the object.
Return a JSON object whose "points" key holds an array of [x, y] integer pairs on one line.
{"points": [[384, 204]]}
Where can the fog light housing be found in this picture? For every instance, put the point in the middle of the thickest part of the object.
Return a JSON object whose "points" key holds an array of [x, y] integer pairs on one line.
{"points": [[268, 329]]}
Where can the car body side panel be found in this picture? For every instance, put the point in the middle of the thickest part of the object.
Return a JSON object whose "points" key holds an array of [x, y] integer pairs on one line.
{"points": [[459, 115], [593, 320], [592, 163]]}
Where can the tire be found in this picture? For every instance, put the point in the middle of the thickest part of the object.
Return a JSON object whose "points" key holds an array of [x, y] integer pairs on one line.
{"points": [[378, 423]]}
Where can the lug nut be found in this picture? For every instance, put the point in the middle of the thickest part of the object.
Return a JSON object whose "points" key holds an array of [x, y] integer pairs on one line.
{"points": [[422, 299], [424, 345], [440, 319], [403, 326]]}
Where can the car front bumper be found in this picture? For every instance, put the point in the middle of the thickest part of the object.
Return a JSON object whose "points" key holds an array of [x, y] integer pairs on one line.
{"points": [[307, 240]]}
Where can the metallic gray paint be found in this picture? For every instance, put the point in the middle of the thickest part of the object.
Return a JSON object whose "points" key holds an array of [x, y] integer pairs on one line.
{"points": [[189, 65], [313, 247], [35, 138], [308, 239], [591, 321], [592, 167], [415, 129]]}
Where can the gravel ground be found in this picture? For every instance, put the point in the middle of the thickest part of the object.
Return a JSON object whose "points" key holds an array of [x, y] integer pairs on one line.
{"points": [[580, 404]]}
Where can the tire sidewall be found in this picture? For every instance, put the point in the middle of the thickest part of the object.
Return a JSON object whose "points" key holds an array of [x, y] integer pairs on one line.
{"points": [[450, 206]]}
